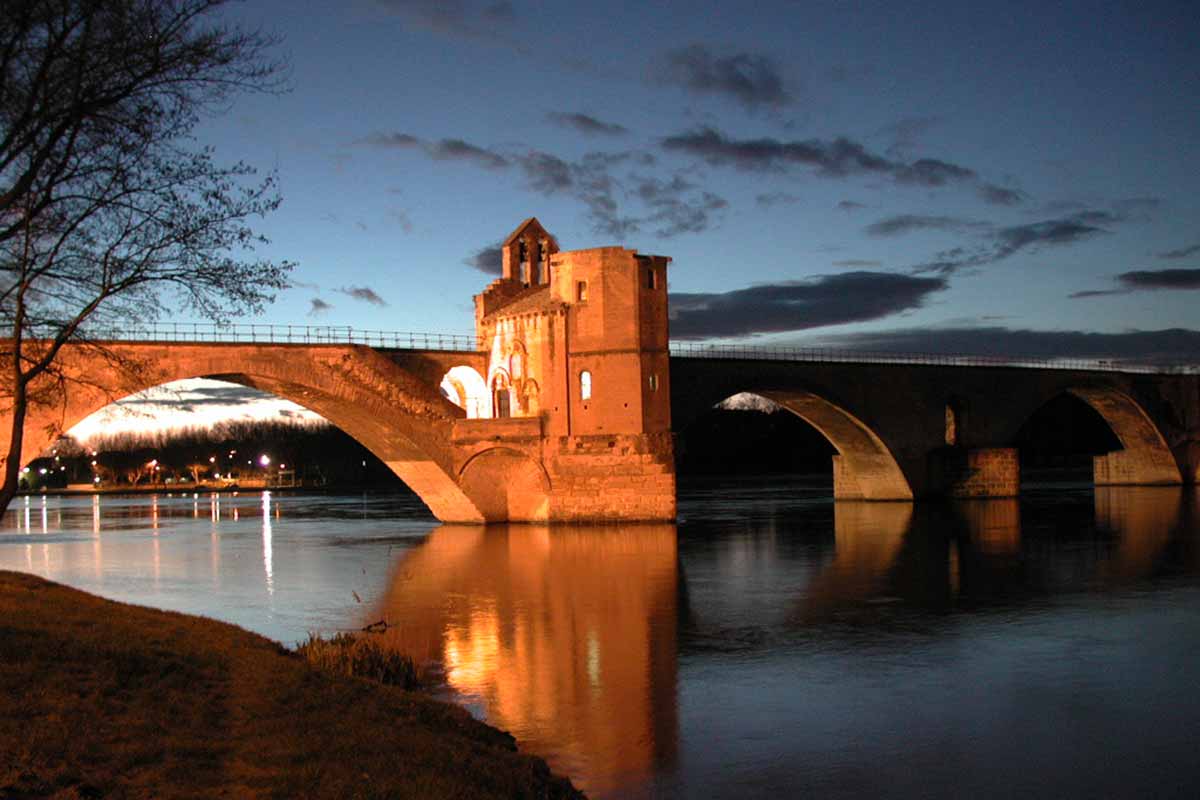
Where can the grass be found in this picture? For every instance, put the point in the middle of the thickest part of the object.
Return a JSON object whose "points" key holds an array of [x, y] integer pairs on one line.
{"points": [[102, 699], [359, 656]]}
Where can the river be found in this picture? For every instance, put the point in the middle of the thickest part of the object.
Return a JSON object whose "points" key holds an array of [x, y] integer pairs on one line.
{"points": [[771, 644]]}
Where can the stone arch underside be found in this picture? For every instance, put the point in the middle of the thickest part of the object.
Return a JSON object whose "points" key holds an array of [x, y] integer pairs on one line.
{"points": [[864, 468], [1144, 458], [403, 421], [507, 484]]}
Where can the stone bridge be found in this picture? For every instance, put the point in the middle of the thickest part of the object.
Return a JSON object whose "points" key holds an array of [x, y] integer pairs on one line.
{"points": [[913, 430], [901, 431], [388, 400]]}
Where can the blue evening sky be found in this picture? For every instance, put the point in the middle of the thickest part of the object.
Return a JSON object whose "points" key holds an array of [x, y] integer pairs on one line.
{"points": [[920, 176]]}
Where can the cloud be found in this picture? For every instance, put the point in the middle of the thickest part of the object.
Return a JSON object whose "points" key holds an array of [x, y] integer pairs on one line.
{"points": [[675, 206], [488, 259], [454, 17], [546, 173], [1001, 242], [1148, 280], [586, 124], [1183, 252], [753, 80], [1000, 196], [858, 262], [1171, 346], [363, 293], [776, 199], [907, 223], [794, 306], [440, 150], [457, 149], [931, 172], [669, 207], [849, 205], [317, 306], [1161, 279], [831, 158]]}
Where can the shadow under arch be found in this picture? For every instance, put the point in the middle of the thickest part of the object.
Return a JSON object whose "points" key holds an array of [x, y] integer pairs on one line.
{"points": [[401, 419], [1144, 459], [864, 467]]}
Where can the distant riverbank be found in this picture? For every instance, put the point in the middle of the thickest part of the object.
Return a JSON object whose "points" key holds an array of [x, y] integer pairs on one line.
{"points": [[99, 698]]}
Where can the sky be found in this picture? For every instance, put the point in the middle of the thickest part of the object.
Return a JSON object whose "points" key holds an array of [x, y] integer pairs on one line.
{"points": [[1017, 178]]}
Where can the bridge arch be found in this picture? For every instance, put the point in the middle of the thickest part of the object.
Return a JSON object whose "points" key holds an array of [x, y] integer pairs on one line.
{"points": [[507, 484], [1144, 458], [864, 467], [401, 419]]}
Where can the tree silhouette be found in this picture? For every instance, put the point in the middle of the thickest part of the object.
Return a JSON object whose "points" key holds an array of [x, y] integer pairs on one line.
{"points": [[108, 211]]}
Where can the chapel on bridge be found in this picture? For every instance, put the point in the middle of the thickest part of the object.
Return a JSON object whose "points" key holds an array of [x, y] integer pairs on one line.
{"points": [[576, 338]]}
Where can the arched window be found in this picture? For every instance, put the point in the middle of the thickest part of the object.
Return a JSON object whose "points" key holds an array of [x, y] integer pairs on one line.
{"points": [[585, 385], [530, 401], [501, 399], [516, 361]]}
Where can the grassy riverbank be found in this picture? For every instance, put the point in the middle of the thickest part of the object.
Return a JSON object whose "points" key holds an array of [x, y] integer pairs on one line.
{"points": [[102, 699]]}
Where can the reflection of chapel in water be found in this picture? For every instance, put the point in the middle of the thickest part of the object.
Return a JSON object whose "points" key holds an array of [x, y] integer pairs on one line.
{"points": [[576, 338]]}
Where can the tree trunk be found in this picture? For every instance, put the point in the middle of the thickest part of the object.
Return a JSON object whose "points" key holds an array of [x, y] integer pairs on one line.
{"points": [[12, 465]]}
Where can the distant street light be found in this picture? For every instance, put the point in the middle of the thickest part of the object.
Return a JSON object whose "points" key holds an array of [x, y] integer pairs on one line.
{"points": [[264, 459]]}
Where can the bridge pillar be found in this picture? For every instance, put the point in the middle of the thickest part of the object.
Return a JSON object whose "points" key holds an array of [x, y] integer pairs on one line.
{"points": [[845, 483], [1189, 461], [979, 472], [1140, 467]]}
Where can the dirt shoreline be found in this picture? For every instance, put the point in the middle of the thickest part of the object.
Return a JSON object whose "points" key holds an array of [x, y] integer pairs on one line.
{"points": [[100, 699]]}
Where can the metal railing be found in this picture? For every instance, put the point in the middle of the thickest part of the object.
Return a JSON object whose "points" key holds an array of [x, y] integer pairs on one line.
{"points": [[266, 333], [830, 355]]}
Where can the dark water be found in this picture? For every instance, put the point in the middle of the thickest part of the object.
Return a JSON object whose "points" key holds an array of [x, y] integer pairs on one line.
{"points": [[771, 644]]}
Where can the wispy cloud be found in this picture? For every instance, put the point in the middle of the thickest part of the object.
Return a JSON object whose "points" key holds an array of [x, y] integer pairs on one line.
{"points": [[858, 262], [441, 150], [1170, 346], [907, 223], [488, 259], [604, 182], [800, 305], [363, 293], [751, 79], [583, 123], [1148, 280], [1182, 252], [768, 199], [830, 158], [1000, 195], [998, 243], [317, 307], [453, 17]]}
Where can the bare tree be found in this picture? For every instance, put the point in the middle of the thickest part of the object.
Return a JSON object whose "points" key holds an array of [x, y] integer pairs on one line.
{"points": [[109, 212]]}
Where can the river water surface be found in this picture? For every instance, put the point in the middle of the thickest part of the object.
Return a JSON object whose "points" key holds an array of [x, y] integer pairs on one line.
{"points": [[773, 643]]}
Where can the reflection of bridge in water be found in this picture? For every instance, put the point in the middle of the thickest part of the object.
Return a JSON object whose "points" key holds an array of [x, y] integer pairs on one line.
{"points": [[570, 638], [562, 406]]}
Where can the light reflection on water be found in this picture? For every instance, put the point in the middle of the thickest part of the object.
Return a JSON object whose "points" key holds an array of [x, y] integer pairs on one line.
{"points": [[773, 643]]}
